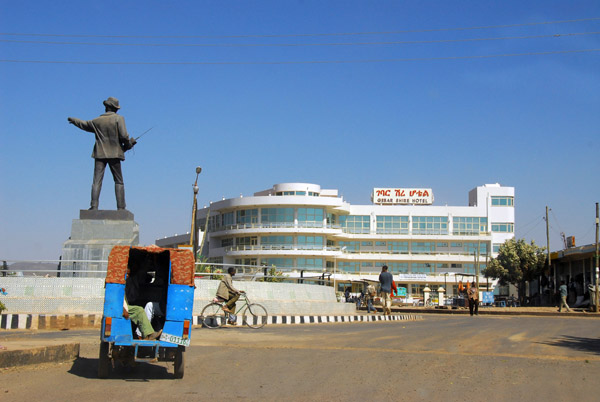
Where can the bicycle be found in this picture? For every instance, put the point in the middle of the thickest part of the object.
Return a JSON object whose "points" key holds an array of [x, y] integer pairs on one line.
{"points": [[253, 315]]}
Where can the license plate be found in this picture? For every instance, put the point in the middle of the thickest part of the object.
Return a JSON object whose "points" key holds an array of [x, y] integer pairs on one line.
{"points": [[174, 339]]}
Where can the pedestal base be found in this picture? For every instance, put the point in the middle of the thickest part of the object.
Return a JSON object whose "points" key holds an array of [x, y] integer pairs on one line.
{"points": [[93, 237]]}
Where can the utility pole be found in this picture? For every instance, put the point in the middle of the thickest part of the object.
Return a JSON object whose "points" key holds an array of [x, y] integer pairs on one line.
{"points": [[597, 256], [195, 203], [548, 244]]}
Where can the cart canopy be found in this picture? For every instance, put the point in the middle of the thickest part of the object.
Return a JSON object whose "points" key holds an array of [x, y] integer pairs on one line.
{"points": [[122, 258]]}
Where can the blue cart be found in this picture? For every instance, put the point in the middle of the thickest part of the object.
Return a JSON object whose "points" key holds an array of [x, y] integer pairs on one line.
{"points": [[164, 277]]}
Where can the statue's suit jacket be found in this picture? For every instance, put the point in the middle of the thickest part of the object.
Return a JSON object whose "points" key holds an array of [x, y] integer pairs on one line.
{"points": [[110, 131]]}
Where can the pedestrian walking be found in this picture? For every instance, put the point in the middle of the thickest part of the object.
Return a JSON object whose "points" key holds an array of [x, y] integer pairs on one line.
{"points": [[562, 290], [473, 294], [386, 279]]}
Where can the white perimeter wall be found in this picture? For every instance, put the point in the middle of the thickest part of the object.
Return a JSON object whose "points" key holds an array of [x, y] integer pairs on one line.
{"points": [[37, 295]]}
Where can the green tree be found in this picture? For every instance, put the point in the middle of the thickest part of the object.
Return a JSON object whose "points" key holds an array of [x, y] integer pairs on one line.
{"points": [[518, 262]]}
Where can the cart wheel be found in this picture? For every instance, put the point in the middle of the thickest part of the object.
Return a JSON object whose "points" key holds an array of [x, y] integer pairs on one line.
{"points": [[104, 360], [179, 361]]}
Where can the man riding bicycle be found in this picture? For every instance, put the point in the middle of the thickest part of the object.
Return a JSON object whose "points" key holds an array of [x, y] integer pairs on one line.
{"points": [[227, 293]]}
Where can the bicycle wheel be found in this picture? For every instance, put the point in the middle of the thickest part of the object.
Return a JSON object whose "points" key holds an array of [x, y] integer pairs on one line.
{"points": [[255, 316], [212, 315]]}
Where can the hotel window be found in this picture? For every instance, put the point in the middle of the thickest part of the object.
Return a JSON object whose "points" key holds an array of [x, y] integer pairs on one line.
{"points": [[227, 242], [505, 201], [310, 242], [214, 223], [379, 247], [351, 246], [421, 247], [245, 261], [247, 216], [430, 225], [356, 223], [398, 247], [469, 225], [277, 241], [469, 268], [503, 227], [348, 266], [392, 225], [422, 267], [279, 262], [278, 216], [393, 267], [331, 219], [246, 241], [228, 219], [442, 267], [496, 247], [471, 248], [310, 263], [310, 217]]}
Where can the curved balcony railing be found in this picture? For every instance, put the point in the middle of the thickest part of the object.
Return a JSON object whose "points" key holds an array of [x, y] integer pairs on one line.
{"points": [[278, 225], [279, 247], [297, 247]]}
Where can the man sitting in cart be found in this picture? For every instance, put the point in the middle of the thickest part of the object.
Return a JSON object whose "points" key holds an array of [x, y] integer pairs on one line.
{"points": [[137, 315], [227, 293]]}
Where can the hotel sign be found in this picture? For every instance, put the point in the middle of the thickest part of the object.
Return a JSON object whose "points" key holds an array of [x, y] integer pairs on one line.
{"points": [[402, 196]]}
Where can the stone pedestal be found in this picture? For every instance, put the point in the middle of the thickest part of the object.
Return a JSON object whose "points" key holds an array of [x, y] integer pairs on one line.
{"points": [[441, 292], [93, 236]]}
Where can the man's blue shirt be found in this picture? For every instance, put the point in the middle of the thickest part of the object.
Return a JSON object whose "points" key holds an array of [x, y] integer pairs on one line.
{"points": [[386, 279]]}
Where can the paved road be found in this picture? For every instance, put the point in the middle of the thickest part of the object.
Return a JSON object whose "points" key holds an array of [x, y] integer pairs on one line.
{"points": [[446, 358]]}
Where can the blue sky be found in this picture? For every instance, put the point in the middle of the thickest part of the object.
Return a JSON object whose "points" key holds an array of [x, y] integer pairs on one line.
{"points": [[405, 98]]}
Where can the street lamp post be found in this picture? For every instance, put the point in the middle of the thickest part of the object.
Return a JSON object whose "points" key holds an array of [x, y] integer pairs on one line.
{"points": [[193, 230]]}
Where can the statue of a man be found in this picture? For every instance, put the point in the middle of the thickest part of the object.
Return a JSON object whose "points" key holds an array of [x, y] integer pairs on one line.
{"points": [[112, 141]]}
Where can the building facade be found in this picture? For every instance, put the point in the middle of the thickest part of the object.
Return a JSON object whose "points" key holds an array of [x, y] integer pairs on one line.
{"points": [[302, 228]]}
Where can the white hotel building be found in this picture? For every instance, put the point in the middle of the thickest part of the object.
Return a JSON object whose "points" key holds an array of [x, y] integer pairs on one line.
{"points": [[300, 227]]}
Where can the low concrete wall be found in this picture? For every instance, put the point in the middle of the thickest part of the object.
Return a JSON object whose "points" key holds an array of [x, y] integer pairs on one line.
{"points": [[42, 354], [38, 295]]}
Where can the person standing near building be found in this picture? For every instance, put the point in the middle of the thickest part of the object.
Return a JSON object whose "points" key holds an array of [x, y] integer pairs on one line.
{"points": [[562, 290], [473, 294], [369, 296], [386, 279], [112, 141]]}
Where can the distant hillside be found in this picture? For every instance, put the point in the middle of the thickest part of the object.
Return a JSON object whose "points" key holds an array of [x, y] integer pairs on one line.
{"points": [[30, 268]]}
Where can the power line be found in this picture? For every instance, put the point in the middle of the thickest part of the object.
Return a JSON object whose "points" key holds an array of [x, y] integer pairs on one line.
{"points": [[532, 229], [556, 220], [413, 42], [554, 52], [308, 34], [534, 220]]}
